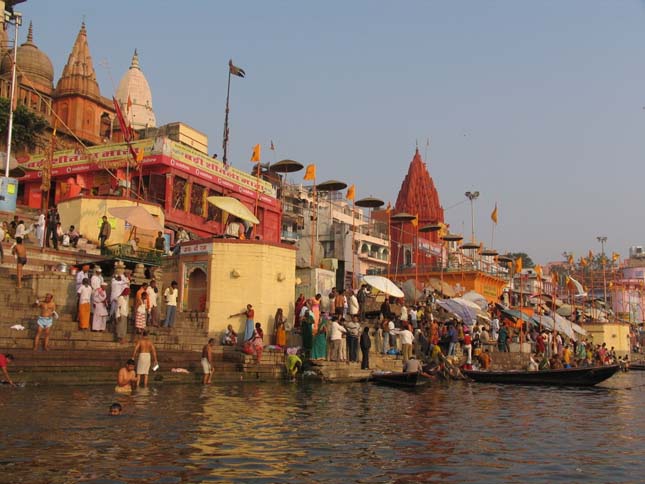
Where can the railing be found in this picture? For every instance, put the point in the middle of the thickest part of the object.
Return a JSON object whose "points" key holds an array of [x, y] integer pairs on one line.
{"points": [[290, 235], [126, 252]]}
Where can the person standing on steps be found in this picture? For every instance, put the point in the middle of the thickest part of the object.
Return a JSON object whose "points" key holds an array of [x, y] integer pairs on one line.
{"points": [[53, 218], [20, 252], [104, 233], [45, 321], [170, 295], [366, 344]]}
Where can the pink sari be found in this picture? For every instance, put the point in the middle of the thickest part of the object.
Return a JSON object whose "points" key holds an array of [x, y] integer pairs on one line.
{"points": [[315, 308]]}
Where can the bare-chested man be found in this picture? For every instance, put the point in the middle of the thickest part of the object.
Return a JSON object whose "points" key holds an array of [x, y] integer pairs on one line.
{"points": [[147, 352], [20, 252], [207, 361], [126, 380], [45, 320]]}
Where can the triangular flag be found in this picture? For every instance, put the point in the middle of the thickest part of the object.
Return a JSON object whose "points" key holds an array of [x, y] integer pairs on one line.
{"points": [[493, 216], [129, 105], [538, 271], [255, 156], [236, 71], [570, 260], [310, 173], [139, 157], [351, 192], [388, 209], [615, 256], [583, 262], [590, 255]]}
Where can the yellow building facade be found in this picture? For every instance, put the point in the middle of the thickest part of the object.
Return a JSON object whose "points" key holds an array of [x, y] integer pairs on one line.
{"points": [[221, 276], [612, 334], [86, 215]]}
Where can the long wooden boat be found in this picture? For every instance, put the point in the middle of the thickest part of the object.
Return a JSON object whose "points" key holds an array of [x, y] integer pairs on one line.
{"points": [[400, 379], [566, 377]]}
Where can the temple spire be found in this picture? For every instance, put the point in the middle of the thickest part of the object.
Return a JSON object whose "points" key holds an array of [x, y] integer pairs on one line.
{"points": [[79, 75], [30, 33]]}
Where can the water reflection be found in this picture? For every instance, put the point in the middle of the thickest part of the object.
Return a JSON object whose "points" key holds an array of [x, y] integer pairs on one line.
{"points": [[324, 433]]}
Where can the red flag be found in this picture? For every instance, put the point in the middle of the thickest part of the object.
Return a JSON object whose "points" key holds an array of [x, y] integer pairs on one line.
{"points": [[127, 133], [129, 105]]}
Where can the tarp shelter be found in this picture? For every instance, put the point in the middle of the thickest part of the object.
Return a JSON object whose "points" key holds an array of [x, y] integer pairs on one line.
{"points": [[477, 298], [383, 284]]}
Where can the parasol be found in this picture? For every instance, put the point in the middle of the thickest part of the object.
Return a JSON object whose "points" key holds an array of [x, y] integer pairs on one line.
{"points": [[452, 237], [369, 202], [430, 228], [402, 217], [469, 246], [234, 207], [331, 186], [467, 314], [476, 298], [15, 170], [138, 217], [383, 284], [412, 290], [489, 252], [442, 287], [286, 166]]}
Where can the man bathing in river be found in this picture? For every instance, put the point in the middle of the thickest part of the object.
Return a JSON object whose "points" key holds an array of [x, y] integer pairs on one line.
{"points": [[45, 320], [207, 361], [146, 351], [126, 380]]}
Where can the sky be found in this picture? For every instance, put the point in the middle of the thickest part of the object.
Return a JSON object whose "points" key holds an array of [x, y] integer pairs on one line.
{"points": [[539, 106]]}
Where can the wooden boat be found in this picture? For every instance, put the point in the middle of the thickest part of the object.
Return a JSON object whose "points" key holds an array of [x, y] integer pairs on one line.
{"points": [[400, 379], [582, 377]]}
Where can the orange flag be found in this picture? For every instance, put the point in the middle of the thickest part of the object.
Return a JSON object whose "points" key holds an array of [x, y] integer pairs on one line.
{"points": [[310, 173], [538, 271], [415, 221], [351, 192], [554, 279], [388, 210], [518, 264], [570, 260], [140, 155], [590, 255], [493, 216], [255, 156]]}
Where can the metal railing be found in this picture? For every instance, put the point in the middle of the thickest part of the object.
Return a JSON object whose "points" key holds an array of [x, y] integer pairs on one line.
{"points": [[127, 253]]}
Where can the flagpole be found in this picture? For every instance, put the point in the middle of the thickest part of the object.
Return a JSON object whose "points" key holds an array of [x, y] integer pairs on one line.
{"points": [[353, 245], [388, 210], [225, 138], [314, 223]]}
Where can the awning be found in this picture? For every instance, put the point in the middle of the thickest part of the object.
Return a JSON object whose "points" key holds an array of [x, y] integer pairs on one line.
{"points": [[234, 207], [477, 298], [515, 314]]}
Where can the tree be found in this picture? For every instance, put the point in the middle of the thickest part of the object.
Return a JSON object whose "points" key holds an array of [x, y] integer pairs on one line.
{"points": [[527, 262], [28, 127]]}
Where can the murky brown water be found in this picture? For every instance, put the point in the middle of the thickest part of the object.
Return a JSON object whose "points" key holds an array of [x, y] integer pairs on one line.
{"points": [[325, 433]]}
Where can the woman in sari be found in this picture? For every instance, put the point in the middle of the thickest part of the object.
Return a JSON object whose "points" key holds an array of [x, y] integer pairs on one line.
{"points": [[307, 324], [319, 350], [258, 342], [278, 324], [300, 302], [315, 309], [140, 313]]}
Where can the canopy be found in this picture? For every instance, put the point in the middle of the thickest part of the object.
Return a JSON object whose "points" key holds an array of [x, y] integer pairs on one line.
{"points": [[383, 284], [477, 298], [515, 314], [137, 216], [467, 314], [561, 325], [234, 207], [369, 202], [412, 290], [286, 166]]}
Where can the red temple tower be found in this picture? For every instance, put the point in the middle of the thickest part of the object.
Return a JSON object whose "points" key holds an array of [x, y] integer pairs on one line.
{"points": [[417, 196]]}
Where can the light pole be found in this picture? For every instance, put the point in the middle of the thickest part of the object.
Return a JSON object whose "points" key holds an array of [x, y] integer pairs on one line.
{"points": [[472, 196], [602, 239]]}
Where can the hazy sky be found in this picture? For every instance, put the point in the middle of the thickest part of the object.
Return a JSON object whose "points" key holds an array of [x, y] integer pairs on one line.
{"points": [[538, 105]]}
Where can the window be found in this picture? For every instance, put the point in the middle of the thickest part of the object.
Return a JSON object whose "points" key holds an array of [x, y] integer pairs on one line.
{"points": [[179, 193], [214, 213], [197, 199]]}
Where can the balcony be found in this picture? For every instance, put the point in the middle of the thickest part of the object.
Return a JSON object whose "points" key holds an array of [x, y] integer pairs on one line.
{"points": [[289, 237]]}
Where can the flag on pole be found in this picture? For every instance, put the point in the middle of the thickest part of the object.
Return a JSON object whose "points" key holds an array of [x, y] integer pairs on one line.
{"points": [[590, 255], [310, 173], [615, 256], [518, 264], [554, 279], [272, 147], [55, 129], [388, 209], [538, 271], [351, 192], [493, 216], [255, 156], [583, 262], [570, 259], [140, 154], [236, 71]]}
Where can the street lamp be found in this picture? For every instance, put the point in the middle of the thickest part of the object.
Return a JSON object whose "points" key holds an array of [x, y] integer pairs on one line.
{"points": [[472, 196], [602, 239]]}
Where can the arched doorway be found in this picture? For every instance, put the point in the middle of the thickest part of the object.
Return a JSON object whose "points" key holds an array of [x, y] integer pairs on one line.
{"points": [[196, 297]]}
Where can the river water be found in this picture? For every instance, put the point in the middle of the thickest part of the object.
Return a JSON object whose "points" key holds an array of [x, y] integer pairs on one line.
{"points": [[337, 433]]}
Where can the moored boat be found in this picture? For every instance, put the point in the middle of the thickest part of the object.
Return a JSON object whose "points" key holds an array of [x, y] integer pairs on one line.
{"points": [[400, 379], [564, 377]]}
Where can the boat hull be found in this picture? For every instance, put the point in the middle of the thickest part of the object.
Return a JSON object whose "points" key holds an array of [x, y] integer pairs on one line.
{"points": [[583, 377], [400, 379]]}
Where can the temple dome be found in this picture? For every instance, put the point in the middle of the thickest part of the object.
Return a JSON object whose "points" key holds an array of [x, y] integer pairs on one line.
{"points": [[134, 86], [32, 62]]}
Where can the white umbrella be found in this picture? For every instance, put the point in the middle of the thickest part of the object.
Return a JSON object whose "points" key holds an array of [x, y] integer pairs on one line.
{"points": [[138, 217], [383, 284], [234, 207]]}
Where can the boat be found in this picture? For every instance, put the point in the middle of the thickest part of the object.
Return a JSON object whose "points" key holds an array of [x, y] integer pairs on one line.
{"points": [[637, 366], [581, 377], [400, 379]]}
